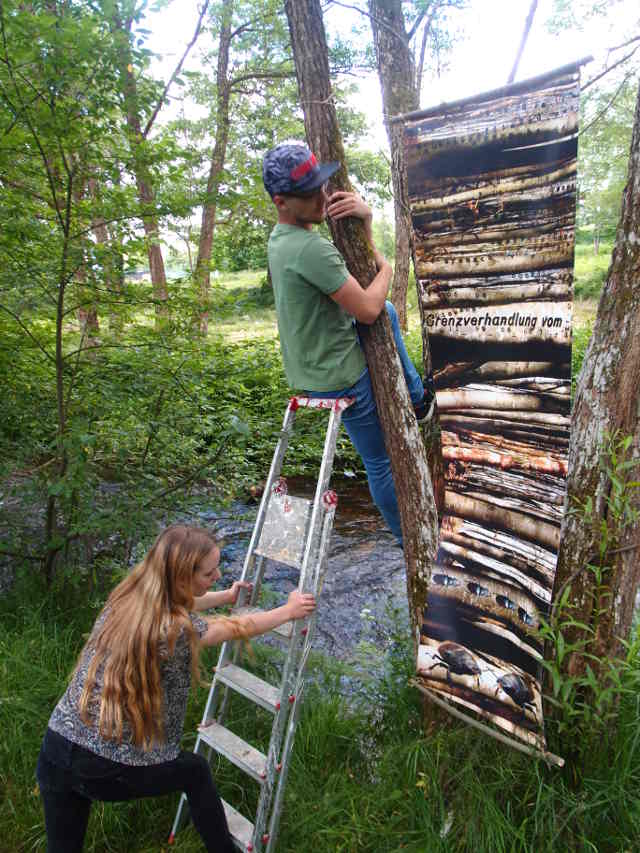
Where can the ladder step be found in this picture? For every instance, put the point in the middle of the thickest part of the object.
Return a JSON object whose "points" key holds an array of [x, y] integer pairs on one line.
{"points": [[282, 630], [249, 685], [240, 828], [238, 751]]}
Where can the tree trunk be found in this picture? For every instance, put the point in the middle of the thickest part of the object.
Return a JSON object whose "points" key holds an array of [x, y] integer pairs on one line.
{"points": [[606, 405], [402, 436], [88, 310], [400, 86], [144, 180], [396, 71], [202, 273], [112, 281]]}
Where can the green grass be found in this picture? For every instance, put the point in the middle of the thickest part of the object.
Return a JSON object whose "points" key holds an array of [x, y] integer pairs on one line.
{"points": [[363, 775], [363, 778], [590, 269]]}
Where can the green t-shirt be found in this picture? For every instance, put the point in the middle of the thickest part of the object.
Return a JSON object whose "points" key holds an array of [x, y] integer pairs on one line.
{"points": [[320, 348]]}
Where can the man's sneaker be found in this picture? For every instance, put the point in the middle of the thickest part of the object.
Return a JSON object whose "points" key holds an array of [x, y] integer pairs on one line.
{"points": [[425, 408]]}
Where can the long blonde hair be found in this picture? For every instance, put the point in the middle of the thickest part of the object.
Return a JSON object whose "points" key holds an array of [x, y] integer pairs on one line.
{"points": [[151, 605]]}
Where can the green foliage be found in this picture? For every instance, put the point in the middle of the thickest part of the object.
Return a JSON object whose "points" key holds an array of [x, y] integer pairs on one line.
{"points": [[590, 267], [579, 342], [607, 121], [587, 704], [363, 776]]}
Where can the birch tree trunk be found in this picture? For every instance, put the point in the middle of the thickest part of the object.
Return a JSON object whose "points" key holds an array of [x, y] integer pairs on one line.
{"points": [[202, 273], [607, 404], [402, 436], [400, 94]]}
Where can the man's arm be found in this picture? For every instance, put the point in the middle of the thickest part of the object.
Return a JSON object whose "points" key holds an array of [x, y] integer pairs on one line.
{"points": [[363, 304]]}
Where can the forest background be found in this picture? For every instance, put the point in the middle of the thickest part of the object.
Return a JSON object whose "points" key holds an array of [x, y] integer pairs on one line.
{"points": [[141, 378]]}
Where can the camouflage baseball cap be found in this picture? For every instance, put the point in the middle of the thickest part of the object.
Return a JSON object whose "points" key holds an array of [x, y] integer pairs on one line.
{"points": [[293, 169]]}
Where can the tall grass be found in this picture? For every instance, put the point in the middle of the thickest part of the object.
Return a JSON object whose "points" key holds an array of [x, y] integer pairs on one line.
{"points": [[363, 777], [590, 269]]}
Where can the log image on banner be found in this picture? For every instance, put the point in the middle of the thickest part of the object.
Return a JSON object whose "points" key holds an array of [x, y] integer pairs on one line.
{"points": [[492, 184]]}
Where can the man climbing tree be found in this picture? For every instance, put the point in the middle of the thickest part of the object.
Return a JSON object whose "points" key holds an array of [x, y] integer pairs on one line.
{"points": [[402, 437], [316, 299]]}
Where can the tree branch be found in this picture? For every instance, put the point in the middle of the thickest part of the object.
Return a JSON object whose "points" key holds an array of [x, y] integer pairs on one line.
{"points": [[610, 68], [177, 70], [423, 48], [261, 75], [29, 333], [190, 477], [606, 108], [624, 44], [371, 17], [523, 40], [416, 25]]}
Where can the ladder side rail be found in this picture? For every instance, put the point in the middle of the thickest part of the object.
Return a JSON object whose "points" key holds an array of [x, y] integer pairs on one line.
{"points": [[277, 732], [276, 810], [227, 649], [256, 580], [324, 477], [315, 540], [287, 748], [235, 646], [274, 472], [290, 674], [316, 545], [323, 553]]}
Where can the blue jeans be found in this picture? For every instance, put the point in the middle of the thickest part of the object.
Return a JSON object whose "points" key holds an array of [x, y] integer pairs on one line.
{"points": [[364, 429]]}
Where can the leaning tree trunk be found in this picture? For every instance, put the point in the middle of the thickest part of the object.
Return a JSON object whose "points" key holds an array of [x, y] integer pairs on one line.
{"points": [[606, 405], [402, 436], [396, 71], [202, 273], [401, 94]]}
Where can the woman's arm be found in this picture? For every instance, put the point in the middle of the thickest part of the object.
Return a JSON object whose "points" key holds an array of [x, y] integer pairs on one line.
{"points": [[298, 606], [220, 597]]}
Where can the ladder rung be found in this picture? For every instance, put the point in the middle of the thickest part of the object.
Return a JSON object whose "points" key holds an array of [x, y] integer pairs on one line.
{"points": [[282, 630], [241, 753], [250, 685], [240, 828]]}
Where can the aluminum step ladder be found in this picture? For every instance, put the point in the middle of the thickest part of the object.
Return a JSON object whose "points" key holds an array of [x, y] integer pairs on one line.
{"points": [[294, 531]]}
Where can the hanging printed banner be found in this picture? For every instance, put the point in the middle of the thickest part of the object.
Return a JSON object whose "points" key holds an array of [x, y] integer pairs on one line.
{"points": [[492, 185]]}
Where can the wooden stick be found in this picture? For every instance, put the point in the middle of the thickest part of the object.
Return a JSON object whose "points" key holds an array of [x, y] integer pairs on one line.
{"points": [[489, 515], [548, 757]]}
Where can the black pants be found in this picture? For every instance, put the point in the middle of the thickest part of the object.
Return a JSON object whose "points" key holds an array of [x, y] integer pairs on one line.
{"points": [[70, 777]]}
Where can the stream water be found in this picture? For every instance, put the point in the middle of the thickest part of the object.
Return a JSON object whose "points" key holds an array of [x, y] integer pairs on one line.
{"points": [[364, 598]]}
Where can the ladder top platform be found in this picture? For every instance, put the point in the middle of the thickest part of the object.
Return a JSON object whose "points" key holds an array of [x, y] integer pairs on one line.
{"points": [[338, 404]]}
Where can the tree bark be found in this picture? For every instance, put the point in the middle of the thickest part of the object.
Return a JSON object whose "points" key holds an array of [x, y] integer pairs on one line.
{"points": [[402, 436], [111, 255], [606, 405], [396, 70], [88, 310], [202, 273]]}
